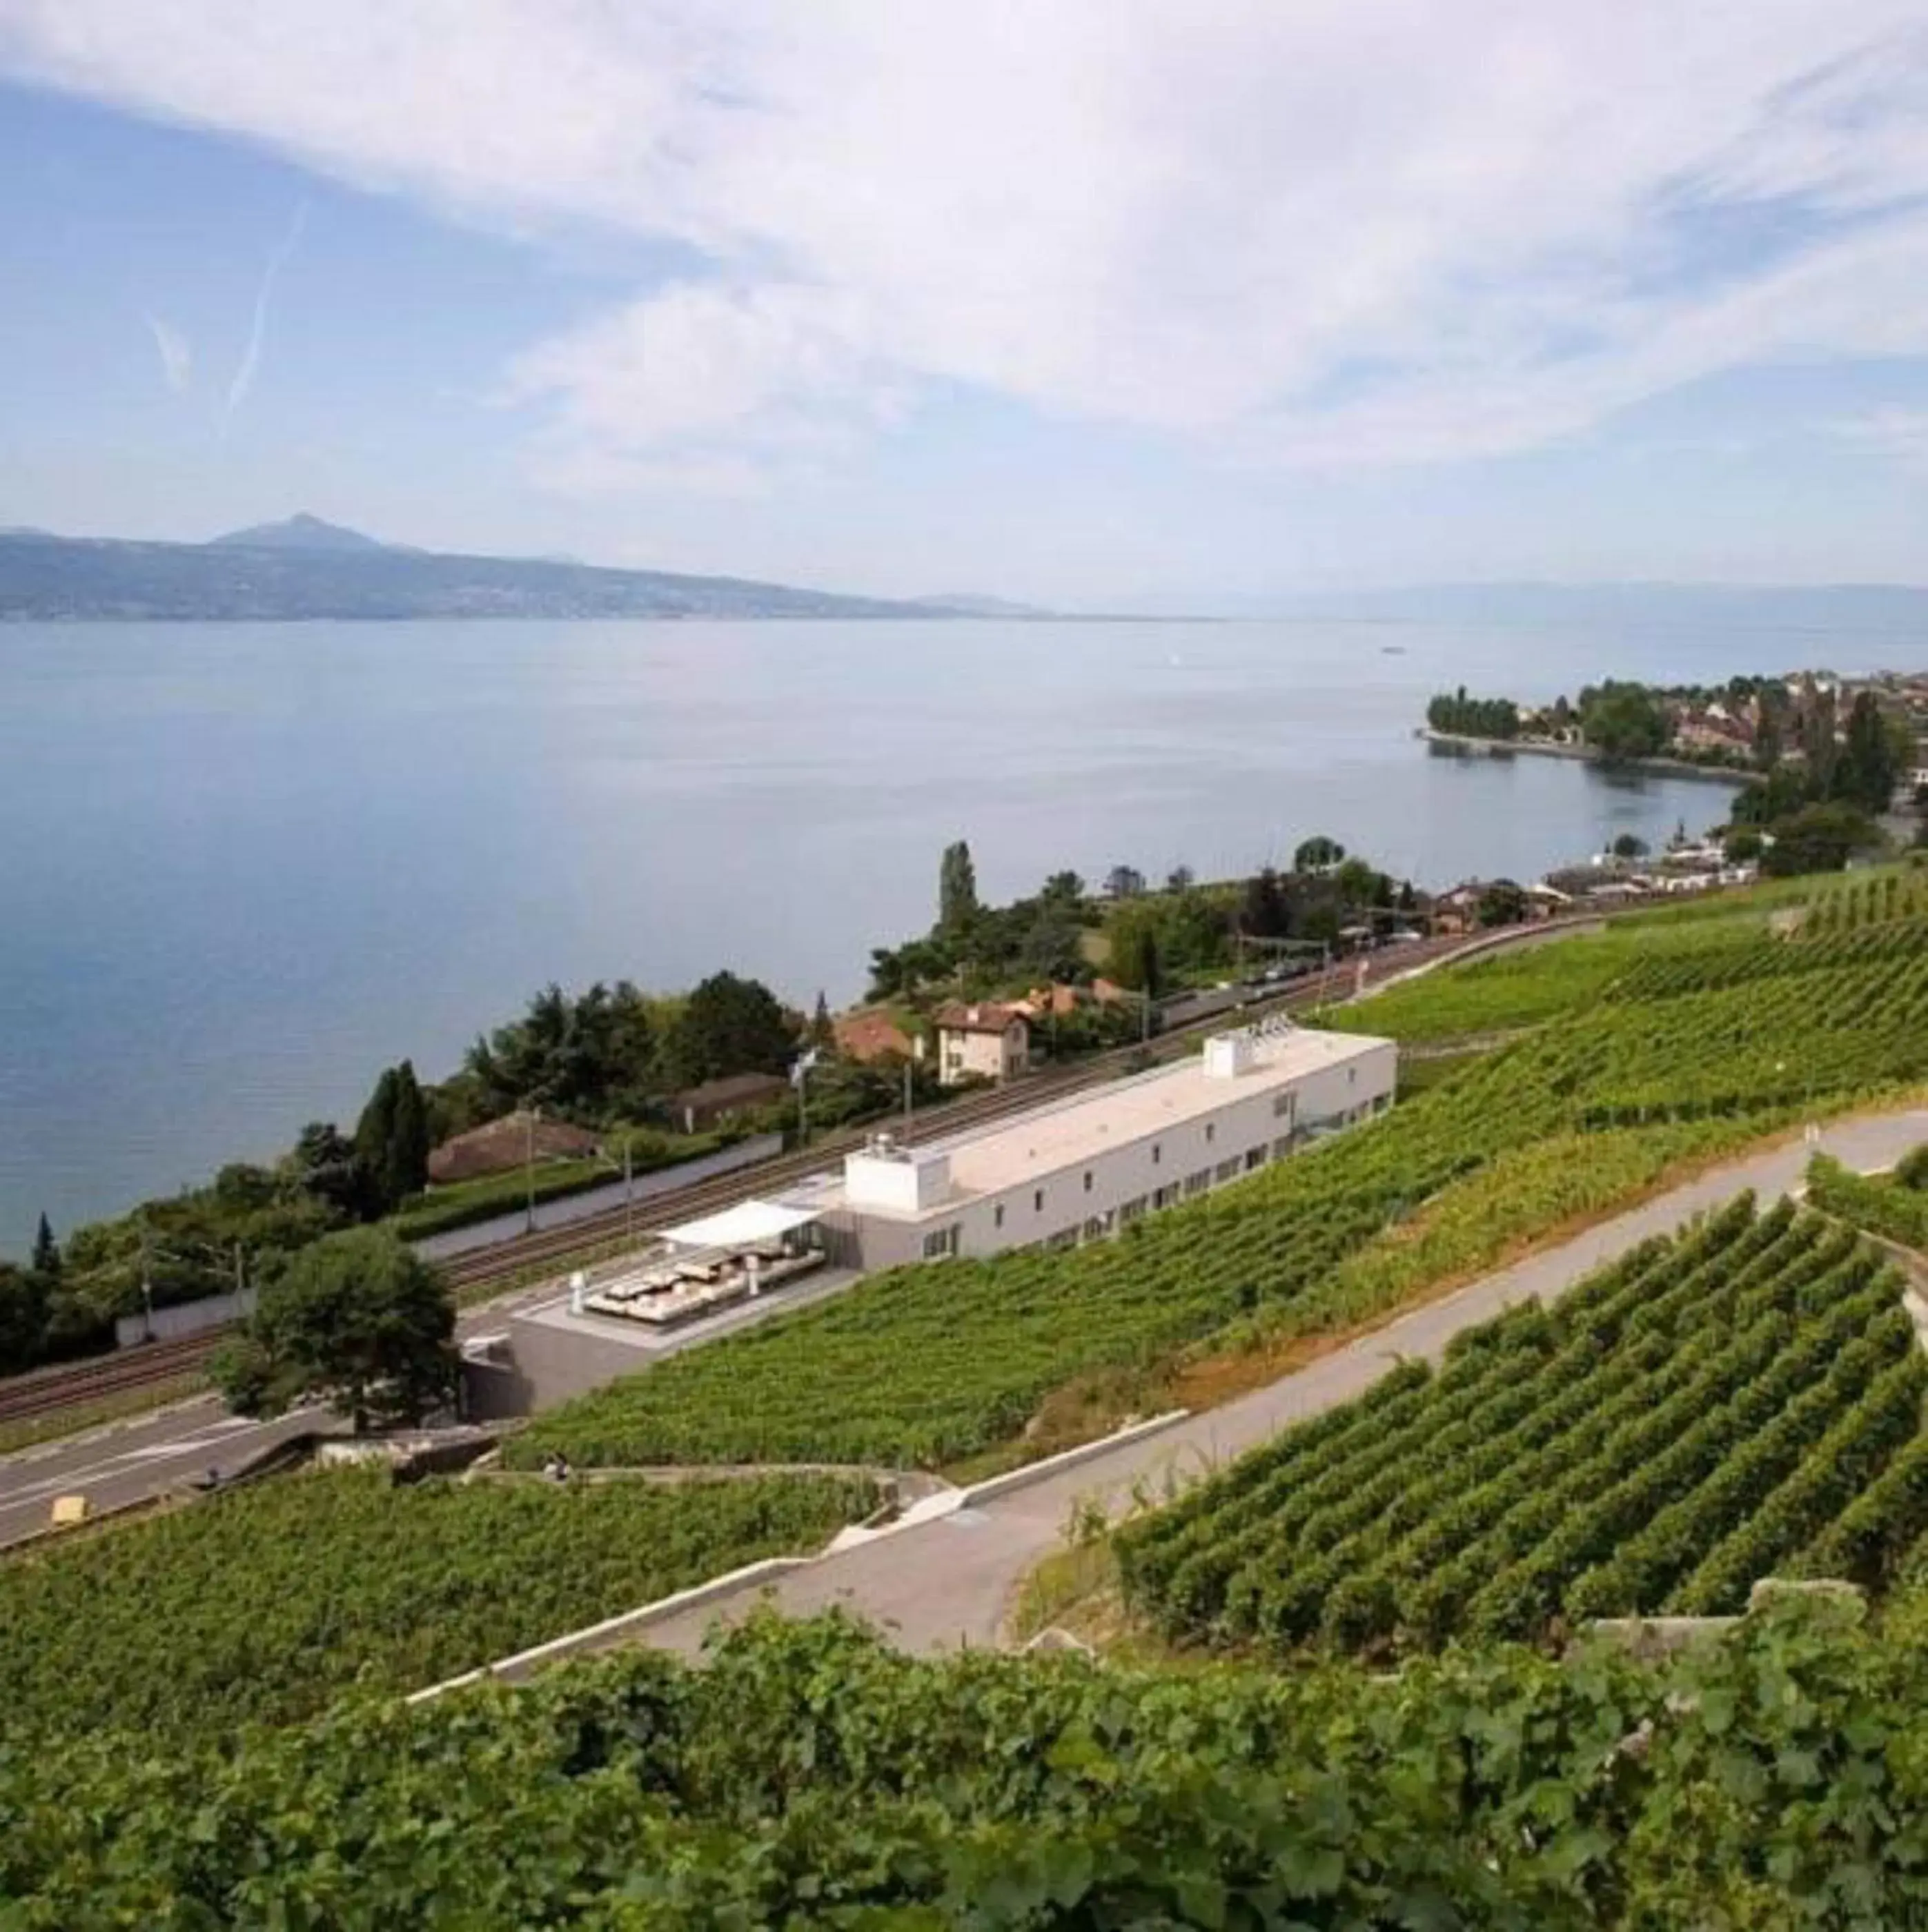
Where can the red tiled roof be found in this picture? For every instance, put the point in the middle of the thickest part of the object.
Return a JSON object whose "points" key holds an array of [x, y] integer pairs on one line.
{"points": [[986, 1017]]}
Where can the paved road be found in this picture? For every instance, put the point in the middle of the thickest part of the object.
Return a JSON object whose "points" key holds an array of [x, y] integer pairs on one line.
{"points": [[950, 1582], [128, 1462]]}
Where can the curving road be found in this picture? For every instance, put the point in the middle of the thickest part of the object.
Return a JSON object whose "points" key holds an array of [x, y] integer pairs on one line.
{"points": [[949, 1582]]}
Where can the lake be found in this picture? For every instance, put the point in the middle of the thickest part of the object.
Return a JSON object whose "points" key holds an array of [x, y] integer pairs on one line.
{"points": [[242, 867]]}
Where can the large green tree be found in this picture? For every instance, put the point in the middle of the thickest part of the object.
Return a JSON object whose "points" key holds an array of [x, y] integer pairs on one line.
{"points": [[1818, 838], [1318, 853], [358, 1320], [730, 1025], [1624, 721]]}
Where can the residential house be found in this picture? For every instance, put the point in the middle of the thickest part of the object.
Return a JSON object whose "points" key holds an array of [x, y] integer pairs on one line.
{"points": [[697, 1109], [499, 1146], [986, 1041]]}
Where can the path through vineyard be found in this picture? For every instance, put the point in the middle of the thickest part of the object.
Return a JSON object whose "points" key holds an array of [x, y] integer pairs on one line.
{"points": [[949, 1582]]}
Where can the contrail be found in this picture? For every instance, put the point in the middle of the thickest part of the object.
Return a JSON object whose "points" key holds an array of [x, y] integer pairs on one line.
{"points": [[250, 357], [176, 357]]}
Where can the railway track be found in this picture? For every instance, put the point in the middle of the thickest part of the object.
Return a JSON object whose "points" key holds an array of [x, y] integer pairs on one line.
{"points": [[44, 1391], [69, 1385]]}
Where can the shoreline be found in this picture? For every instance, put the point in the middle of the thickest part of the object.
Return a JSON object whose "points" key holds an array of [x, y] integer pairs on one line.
{"points": [[1467, 746]]}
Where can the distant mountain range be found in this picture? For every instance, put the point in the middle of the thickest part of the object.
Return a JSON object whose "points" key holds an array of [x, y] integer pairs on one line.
{"points": [[305, 568]]}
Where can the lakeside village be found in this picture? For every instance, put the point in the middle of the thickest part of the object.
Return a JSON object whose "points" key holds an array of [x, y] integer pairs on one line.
{"points": [[585, 1090]]}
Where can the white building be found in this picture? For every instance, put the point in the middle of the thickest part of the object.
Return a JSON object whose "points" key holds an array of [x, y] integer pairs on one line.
{"points": [[1082, 1168]]}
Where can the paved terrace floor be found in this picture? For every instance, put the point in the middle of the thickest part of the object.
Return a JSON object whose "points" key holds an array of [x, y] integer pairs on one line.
{"points": [[950, 1582]]}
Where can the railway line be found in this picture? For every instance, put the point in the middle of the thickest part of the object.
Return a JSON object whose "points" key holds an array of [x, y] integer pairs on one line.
{"points": [[519, 1260]]}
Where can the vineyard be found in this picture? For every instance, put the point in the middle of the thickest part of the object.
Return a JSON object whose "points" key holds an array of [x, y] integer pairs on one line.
{"points": [[1703, 1413], [1894, 1206], [1721, 1034], [267, 1604], [806, 1776]]}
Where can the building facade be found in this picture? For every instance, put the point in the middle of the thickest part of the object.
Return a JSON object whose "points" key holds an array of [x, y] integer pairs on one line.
{"points": [[984, 1042], [1086, 1169]]}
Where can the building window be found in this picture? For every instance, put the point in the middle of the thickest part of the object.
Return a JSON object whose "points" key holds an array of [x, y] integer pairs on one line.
{"points": [[998, 1215], [941, 1244], [1211, 1132], [1352, 1076], [1038, 1201], [1281, 1104], [1381, 1102], [1065, 1237], [1197, 1184], [1088, 1180], [1098, 1227], [1165, 1196], [1227, 1170], [1281, 1147], [1133, 1211], [1157, 1154], [1254, 1157]]}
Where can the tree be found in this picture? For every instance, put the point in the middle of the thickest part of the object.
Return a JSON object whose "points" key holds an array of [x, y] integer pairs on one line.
{"points": [[1066, 887], [324, 1167], [358, 1320], [729, 1025], [392, 1140], [1743, 845], [1124, 882], [1628, 845], [1136, 959], [1317, 854], [1357, 882], [374, 1132], [1818, 838], [1180, 879], [407, 1172], [1624, 721], [957, 890], [1266, 912], [1866, 771], [1502, 903], [23, 1317], [45, 1262], [823, 1028]]}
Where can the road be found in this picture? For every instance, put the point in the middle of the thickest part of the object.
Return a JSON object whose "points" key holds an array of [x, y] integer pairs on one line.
{"points": [[950, 1582], [129, 1463]]}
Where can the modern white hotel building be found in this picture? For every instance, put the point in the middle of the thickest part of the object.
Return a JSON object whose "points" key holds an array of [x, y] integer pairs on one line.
{"points": [[1084, 1168]]}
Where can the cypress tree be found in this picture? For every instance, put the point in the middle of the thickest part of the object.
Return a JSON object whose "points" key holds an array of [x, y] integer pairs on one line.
{"points": [[46, 1251], [374, 1135], [407, 1163]]}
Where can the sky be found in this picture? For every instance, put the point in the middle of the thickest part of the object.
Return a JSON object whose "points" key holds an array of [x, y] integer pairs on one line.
{"points": [[1103, 303]]}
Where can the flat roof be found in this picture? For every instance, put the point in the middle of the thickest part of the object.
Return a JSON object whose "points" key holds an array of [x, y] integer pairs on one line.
{"points": [[744, 1226], [1009, 1153]]}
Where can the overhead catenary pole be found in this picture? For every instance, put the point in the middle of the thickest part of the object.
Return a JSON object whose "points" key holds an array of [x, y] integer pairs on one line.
{"points": [[528, 1167], [628, 1189]]}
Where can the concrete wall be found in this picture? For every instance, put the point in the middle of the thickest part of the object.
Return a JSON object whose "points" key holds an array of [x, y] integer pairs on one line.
{"points": [[184, 1318], [1248, 1131]]}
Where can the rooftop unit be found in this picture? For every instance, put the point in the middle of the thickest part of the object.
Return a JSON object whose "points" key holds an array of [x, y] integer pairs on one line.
{"points": [[900, 1180]]}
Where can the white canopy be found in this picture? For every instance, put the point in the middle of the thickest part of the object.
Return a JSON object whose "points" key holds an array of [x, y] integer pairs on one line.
{"points": [[742, 1226]]}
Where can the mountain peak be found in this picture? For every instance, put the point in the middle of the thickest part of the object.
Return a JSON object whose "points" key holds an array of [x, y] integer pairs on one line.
{"points": [[299, 532]]}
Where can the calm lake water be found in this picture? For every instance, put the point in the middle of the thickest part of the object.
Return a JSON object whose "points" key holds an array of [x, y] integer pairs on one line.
{"points": [[242, 867]]}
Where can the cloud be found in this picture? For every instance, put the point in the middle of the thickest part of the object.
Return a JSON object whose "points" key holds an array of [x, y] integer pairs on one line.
{"points": [[1899, 436], [240, 388], [176, 355], [1345, 231]]}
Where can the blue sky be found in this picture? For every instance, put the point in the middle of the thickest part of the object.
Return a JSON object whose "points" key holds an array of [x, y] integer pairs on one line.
{"points": [[1097, 304]]}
